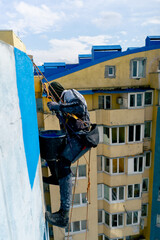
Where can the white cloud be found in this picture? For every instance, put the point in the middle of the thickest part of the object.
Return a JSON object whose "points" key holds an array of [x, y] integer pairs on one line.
{"points": [[108, 19], [73, 3], [35, 19], [67, 50], [153, 20]]}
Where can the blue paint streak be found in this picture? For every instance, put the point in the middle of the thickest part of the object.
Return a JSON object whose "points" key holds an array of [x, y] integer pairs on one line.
{"points": [[27, 103], [155, 231]]}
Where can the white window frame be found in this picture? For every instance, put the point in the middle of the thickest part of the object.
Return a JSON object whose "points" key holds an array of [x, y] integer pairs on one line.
{"points": [[145, 204], [131, 165], [79, 177], [138, 60], [81, 204], [111, 166], [135, 93], [102, 158], [150, 129], [117, 143], [75, 232], [151, 98], [132, 223], [119, 226], [107, 74], [133, 189], [143, 191], [104, 103], [145, 153], [134, 137], [102, 197]]}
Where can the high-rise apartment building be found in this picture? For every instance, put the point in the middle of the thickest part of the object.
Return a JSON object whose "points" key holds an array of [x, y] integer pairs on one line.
{"points": [[122, 90]]}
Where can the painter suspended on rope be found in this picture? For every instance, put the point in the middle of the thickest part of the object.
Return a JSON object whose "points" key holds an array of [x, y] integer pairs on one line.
{"points": [[71, 110]]}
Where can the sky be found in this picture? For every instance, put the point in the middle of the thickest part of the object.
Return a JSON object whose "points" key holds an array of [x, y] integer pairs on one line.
{"points": [[60, 30]]}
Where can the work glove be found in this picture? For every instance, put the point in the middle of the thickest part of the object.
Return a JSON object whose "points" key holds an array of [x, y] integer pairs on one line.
{"points": [[53, 106]]}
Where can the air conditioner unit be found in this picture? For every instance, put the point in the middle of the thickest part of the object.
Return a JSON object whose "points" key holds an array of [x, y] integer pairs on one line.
{"points": [[120, 100]]}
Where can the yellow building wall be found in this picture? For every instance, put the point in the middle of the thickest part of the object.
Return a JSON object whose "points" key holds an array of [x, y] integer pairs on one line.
{"points": [[93, 76], [11, 38]]}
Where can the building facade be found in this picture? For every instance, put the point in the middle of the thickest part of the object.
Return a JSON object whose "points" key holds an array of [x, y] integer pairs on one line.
{"points": [[122, 90]]}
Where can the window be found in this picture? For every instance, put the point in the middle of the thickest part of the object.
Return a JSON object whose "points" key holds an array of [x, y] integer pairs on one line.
{"points": [[80, 199], [100, 191], [118, 135], [114, 194], [39, 104], [138, 68], [158, 220], [81, 172], [135, 165], [148, 98], [144, 210], [99, 163], [147, 129], [117, 220], [103, 237], [106, 135], [134, 133], [111, 166], [100, 216], [117, 194], [133, 218], [148, 159], [133, 191], [135, 100], [78, 226], [145, 185], [104, 102], [107, 219], [110, 72]]}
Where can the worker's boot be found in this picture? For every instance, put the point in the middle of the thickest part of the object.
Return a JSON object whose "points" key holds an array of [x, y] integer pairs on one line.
{"points": [[51, 180], [59, 219]]}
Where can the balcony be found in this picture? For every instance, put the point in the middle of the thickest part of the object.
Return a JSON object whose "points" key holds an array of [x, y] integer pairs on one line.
{"points": [[120, 116]]}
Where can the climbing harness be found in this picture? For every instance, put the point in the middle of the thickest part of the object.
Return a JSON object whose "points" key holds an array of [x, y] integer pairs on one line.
{"points": [[50, 95]]}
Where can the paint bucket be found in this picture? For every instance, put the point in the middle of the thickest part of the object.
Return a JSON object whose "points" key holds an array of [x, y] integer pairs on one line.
{"points": [[52, 142]]}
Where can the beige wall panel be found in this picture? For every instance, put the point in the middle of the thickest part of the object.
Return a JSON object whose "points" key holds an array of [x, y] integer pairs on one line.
{"points": [[120, 150], [120, 116], [148, 112]]}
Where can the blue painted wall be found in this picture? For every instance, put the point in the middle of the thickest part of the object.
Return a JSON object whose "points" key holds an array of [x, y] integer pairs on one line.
{"points": [[26, 94], [155, 231]]}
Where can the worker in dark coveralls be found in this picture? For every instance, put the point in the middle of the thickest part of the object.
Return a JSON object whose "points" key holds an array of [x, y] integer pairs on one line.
{"points": [[71, 110]]}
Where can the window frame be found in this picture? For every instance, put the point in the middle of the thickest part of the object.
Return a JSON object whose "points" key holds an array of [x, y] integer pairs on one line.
{"points": [[138, 60], [146, 205], [107, 74], [104, 101], [75, 232], [130, 170], [150, 135], [110, 138], [145, 191], [110, 189], [134, 135], [135, 94], [133, 191], [145, 153], [132, 212], [78, 177], [81, 204], [151, 104], [103, 159]]}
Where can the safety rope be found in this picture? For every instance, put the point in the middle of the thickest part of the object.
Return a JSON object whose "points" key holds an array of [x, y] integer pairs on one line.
{"points": [[88, 163]]}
